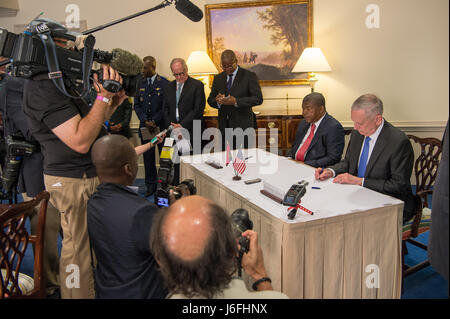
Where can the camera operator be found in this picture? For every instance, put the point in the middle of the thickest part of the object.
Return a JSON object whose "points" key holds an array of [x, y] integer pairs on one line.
{"points": [[66, 128], [30, 181], [196, 247]]}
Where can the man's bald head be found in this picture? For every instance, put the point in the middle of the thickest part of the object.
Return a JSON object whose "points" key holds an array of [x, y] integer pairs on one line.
{"points": [[187, 227], [115, 159], [194, 243]]}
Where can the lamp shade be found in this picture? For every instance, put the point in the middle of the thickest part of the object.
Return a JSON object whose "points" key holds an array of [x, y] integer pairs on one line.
{"points": [[199, 63], [311, 60]]}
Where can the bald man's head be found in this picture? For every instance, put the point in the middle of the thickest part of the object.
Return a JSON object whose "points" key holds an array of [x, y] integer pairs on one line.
{"points": [[115, 159], [194, 244], [187, 227]]}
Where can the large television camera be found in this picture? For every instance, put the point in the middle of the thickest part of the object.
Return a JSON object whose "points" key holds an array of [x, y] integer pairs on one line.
{"points": [[165, 190], [34, 52]]}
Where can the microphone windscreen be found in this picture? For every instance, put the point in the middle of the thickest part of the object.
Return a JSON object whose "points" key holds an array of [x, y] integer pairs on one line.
{"points": [[126, 63], [189, 10]]}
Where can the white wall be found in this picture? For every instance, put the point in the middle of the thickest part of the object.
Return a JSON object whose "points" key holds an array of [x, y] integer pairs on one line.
{"points": [[405, 61]]}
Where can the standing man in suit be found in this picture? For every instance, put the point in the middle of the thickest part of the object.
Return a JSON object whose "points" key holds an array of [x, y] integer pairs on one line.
{"points": [[148, 105], [379, 156], [234, 92], [320, 138], [184, 102]]}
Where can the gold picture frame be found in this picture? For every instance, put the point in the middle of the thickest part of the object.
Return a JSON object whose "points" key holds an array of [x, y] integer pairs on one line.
{"points": [[268, 36]]}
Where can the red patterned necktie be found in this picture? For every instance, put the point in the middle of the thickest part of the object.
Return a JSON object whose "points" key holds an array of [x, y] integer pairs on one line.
{"points": [[301, 152]]}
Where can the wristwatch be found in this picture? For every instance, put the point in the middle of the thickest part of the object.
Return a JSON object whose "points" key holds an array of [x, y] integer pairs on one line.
{"points": [[103, 99]]}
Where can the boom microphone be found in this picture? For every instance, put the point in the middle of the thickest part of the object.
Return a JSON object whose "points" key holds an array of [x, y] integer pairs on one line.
{"points": [[189, 10]]}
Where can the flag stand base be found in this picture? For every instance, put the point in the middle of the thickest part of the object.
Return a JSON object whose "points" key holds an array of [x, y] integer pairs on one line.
{"points": [[236, 178]]}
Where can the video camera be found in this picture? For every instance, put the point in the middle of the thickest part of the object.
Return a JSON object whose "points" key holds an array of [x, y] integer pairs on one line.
{"points": [[34, 52], [16, 149], [165, 178], [241, 222]]}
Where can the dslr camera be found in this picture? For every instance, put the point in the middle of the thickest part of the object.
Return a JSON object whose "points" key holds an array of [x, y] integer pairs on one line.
{"points": [[241, 222], [16, 149], [165, 180]]}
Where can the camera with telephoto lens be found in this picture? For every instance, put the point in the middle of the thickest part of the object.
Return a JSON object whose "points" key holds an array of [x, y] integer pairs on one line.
{"points": [[165, 179], [241, 222], [16, 149]]}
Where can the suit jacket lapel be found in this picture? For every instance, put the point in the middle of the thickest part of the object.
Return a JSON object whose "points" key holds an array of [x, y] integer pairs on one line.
{"points": [[236, 80], [318, 131], [381, 143]]}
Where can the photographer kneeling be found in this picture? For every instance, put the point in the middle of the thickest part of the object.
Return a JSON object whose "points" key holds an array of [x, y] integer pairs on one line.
{"points": [[195, 245]]}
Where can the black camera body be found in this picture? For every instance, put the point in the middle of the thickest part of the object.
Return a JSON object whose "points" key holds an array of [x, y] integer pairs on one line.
{"points": [[241, 222], [29, 58], [16, 149], [162, 194]]}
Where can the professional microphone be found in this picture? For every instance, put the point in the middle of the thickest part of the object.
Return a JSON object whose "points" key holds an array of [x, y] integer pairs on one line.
{"points": [[169, 129], [189, 10], [126, 63], [129, 66]]}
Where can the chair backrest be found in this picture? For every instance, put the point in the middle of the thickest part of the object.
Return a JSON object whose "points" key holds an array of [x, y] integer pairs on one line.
{"points": [[426, 165], [14, 239]]}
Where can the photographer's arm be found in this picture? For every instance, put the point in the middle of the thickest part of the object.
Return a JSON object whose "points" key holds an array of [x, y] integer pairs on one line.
{"points": [[80, 132], [253, 261]]}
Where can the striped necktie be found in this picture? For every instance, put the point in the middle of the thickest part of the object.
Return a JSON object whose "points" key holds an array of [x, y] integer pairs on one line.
{"points": [[178, 93]]}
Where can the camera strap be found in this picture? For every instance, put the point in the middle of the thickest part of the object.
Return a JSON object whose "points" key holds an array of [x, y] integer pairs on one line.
{"points": [[55, 73]]}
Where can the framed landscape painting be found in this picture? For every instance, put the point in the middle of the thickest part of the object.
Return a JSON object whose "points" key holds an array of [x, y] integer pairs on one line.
{"points": [[267, 36]]}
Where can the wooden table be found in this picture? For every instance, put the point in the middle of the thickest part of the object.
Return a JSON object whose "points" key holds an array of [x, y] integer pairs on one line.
{"points": [[354, 234]]}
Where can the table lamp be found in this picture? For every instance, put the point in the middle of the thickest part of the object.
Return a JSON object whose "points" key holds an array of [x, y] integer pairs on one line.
{"points": [[312, 60], [200, 67]]}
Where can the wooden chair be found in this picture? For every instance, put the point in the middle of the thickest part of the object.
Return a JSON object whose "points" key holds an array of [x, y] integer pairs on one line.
{"points": [[425, 170], [14, 239]]}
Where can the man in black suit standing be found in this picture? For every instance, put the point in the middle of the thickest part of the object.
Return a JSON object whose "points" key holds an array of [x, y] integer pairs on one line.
{"points": [[184, 102], [234, 92], [379, 156], [320, 138]]}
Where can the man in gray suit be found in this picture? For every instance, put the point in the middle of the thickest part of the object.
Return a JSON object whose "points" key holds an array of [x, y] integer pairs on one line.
{"points": [[379, 156]]}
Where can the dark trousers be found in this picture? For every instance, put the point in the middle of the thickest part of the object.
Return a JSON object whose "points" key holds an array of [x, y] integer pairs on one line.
{"points": [[151, 175]]}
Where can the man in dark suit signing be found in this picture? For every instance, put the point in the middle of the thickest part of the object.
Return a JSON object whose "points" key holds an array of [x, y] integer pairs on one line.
{"points": [[379, 156], [234, 92], [320, 138]]}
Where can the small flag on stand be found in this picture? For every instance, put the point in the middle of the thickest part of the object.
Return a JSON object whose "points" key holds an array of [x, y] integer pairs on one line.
{"points": [[239, 163]]}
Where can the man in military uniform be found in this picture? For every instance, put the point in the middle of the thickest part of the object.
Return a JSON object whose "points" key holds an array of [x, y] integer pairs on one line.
{"points": [[148, 104]]}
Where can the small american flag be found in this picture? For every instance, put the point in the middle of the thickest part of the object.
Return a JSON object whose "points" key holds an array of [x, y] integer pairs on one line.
{"points": [[239, 163]]}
